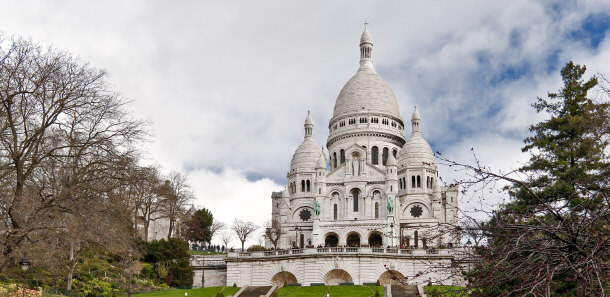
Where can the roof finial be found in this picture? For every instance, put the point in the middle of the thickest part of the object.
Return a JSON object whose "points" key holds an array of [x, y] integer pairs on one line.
{"points": [[308, 125], [366, 23]]}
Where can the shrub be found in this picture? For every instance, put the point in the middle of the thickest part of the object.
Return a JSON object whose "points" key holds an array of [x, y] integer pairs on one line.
{"points": [[234, 285], [377, 283], [377, 293], [147, 271], [256, 248], [220, 294]]}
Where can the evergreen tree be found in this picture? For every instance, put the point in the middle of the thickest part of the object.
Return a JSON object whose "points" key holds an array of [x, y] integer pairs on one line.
{"points": [[554, 235]]}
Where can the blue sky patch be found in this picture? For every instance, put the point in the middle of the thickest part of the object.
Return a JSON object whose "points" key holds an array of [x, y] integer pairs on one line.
{"points": [[592, 30]]}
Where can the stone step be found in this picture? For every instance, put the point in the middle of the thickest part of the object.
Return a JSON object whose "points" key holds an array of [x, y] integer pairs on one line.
{"points": [[255, 291], [404, 291]]}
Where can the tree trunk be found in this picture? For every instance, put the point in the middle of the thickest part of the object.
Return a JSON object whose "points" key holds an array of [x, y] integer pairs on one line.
{"points": [[73, 263], [171, 227]]}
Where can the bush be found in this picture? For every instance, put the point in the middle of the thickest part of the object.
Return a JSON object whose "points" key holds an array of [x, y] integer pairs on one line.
{"points": [[377, 283], [147, 271], [234, 285], [377, 293], [256, 248], [171, 260]]}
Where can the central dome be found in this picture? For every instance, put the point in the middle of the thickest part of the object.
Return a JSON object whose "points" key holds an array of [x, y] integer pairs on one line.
{"points": [[366, 91]]}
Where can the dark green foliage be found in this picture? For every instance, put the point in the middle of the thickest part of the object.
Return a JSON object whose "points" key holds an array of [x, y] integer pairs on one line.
{"points": [[234, 285], [377, 283], [171, 260], [198, 226], [553, 237], [220, 294], [376, 293], [147, 271]]}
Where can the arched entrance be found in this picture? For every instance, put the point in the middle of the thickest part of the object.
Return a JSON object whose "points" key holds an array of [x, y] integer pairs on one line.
{"points": [[353, 240], [331, 240], [375, 240], [283, 277], [391, 277], [337, 276]]}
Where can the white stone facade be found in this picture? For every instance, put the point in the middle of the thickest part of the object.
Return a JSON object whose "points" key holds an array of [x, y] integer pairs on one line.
{"points": [[375, 188], [371, 204]]}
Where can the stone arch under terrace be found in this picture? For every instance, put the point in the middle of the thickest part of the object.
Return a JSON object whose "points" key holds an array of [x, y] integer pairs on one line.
{"points": [[283, 277], [336, 277], [391, 277]]}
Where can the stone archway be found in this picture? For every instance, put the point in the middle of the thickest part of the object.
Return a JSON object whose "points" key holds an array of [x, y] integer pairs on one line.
{"points": [[353, 240], [375, 240], [331, 240], [391, 277], [336, 277], [283, 277]]}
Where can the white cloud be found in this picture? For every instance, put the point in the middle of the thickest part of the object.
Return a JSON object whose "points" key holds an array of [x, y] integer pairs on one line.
{"points": [[227, 85]]}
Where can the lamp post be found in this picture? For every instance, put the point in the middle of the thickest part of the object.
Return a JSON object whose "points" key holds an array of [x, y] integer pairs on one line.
{"points": [[24, 263], [130, 257], [469, 245], [392, 234]]}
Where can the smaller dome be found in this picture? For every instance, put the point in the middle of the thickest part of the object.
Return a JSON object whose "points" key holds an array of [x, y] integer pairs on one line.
{"points": [[366, 37], [321, 164], [416, 152], [306, 156], [391, 160]]}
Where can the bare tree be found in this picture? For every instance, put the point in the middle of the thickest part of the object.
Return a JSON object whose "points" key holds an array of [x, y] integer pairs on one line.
{"points": [[175, 195], [225, 238], [273, 232], [216, 226], [63, 131], [243, 230]]}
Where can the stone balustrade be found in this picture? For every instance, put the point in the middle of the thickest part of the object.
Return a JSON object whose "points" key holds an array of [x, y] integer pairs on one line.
{"points": [[345, 250]]}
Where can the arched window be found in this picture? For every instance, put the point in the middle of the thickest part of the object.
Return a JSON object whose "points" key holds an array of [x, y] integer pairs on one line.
{"points": [[342, 156], [385, 155], [418, 182], [376, 210], [319, 190], [394, 152], [431, 182], [427, 182], [404, 182], [413, 181], [335, 212], [400, 183], [356, 194], [302, 186], [335, 160], [375, 155], [308, 186], [415, 235]]}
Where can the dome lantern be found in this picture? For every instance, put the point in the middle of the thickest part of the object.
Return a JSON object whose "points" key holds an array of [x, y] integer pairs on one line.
{"points": [[366, 46], [415, 122], [308, 125]]}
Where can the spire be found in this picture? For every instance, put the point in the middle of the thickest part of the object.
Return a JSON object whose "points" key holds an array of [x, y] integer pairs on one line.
{"points": [[366, 47], [415, 122], [308, 125]]}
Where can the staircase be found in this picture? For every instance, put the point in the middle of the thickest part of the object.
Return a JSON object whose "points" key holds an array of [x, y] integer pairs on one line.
{"points": [[254, 291], [404, 291]]}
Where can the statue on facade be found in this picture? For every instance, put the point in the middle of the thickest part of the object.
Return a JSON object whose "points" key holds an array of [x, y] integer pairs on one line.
{"points": [[390, 205], [316, 208]]}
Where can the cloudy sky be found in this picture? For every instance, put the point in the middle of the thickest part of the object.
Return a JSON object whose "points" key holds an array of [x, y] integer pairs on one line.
{"points": [[226, 85]]}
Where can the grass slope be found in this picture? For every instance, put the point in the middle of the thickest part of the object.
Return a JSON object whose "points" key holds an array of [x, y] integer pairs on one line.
{"points": [[334, 291], [201, 292]]}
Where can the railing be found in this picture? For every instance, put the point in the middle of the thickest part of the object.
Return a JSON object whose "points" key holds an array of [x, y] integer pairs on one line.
{"points": [[431, 251], [352, 249], [270, 253], [336, 250], [215, 263], [285, 252], [378, 250], [407, 251], [391, 251], [323, 250], [241, 254], [297, 251]]}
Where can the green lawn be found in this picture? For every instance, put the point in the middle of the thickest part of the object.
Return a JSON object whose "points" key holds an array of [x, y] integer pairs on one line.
{"points": [[451, 291], [334, 291], [201, 292]]}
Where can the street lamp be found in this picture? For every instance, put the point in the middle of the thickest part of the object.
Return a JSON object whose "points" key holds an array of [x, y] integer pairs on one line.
{"points": [[24, 263], [130, 257], [392, 234]]}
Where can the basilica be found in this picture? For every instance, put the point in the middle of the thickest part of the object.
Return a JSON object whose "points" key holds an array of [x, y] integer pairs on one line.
{"points": [[370, 208], [375, 187]]}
